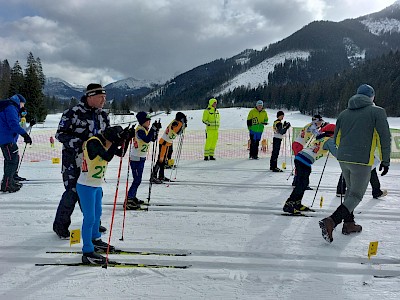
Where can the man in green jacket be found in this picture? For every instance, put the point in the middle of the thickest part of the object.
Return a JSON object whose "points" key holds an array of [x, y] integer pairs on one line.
{"points": [[360, 129], [256, 120], [211, 119]]}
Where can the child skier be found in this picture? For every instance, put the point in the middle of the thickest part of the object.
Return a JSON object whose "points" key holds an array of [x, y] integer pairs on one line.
{"points": [[279, 130], [137, 156], [97, 152], [306, 135], [303, 162], [175, 128]]}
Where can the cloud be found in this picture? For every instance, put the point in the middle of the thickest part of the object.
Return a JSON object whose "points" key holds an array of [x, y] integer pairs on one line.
{"points": [[83, 41]]}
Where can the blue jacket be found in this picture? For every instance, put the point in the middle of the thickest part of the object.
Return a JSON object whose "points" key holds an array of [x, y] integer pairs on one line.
{"points": [[9, 120]]}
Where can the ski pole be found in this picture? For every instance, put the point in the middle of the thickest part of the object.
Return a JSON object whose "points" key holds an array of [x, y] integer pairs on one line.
{"points": [[126, 192], [291, 152], [179, 152], [178, 155], [23, 153], [153, 162], [114, 207], [320, 179]]}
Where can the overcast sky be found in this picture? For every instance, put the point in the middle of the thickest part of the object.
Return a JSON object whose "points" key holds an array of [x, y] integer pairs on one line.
{"points": [[83, 41]]}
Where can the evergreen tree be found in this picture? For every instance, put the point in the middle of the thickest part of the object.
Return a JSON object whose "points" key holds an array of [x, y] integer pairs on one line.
{"points": [[5, 78], [33, 89], [16, 80]]}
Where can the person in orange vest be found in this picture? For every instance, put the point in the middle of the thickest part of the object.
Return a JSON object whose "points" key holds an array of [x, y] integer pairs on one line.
{"points": [[175, 128]]}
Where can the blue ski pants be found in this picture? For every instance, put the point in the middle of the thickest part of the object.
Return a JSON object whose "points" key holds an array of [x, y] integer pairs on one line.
{"points": [[137, 172], [90, 199]]}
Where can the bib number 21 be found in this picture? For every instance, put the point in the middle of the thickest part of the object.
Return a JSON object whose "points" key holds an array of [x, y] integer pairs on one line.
{"points": [[100, 172]]}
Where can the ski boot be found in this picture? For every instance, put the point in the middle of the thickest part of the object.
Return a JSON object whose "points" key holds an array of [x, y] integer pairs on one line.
{"points": [[100, 246], [133, 203], [61, 232], [289, 208], [93, 258], [383, 193], [19, 178]]}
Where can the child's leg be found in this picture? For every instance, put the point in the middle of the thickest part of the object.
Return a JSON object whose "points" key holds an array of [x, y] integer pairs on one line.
{"points": [[303, 179], [137, 172], [97, 213], [87, 196], [276, 147]]}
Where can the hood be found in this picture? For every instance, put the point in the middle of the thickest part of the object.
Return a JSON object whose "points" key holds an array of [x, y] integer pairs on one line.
{"points": [[17, 98], [211, 102], [359, 101]]}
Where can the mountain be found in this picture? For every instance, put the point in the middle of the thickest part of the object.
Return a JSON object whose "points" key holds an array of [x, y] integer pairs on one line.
{"points": [[316, 51], [129, 87], [61, 89], [118, 90]]}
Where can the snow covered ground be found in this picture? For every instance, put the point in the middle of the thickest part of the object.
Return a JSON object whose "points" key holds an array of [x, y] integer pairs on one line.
{"points": [[227, 214]]}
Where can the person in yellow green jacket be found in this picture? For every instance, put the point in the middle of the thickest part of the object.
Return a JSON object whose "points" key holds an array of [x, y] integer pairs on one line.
{"points": [[211, 119], [256, 120]]}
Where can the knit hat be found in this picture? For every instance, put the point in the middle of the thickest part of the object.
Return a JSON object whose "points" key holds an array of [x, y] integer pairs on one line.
{"points": [[260, 102], [329, 129], [280, 113], [94, 89], [142, 117], [112, 134], [366, 90]]}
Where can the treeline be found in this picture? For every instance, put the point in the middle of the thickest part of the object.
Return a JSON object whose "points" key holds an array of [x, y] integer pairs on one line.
{"points": [[328, 96], [28, 82]]}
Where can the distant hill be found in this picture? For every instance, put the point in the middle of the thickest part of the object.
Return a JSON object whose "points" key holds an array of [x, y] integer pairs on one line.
{"points": [[118, 90], [316, 51]]}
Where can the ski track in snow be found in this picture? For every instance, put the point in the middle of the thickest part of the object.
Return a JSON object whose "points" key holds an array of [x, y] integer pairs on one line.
{"points": [[227, 215]]}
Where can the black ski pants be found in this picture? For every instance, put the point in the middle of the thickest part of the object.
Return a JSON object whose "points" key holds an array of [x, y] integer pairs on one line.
{"points": [[70, 173], [276, 148], [11, 159], [302, 181]]}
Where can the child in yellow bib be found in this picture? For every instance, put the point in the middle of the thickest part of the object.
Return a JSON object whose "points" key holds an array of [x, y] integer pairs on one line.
{"points": [[97, 152], [138, 154]]}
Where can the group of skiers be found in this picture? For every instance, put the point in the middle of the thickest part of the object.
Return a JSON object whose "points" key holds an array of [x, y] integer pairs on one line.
{"points": [[89, 143], [360, 140]]}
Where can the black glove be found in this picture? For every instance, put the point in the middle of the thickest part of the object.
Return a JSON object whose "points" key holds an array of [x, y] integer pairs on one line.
{"points": [[32, 122], [320, 136], [286, 125], [384, 168], [124, 135], [156, 126], [27, 138], [132, 133]]}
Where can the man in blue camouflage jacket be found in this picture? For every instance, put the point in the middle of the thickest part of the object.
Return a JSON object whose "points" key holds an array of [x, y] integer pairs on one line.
{"points": [[77, 124]]}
